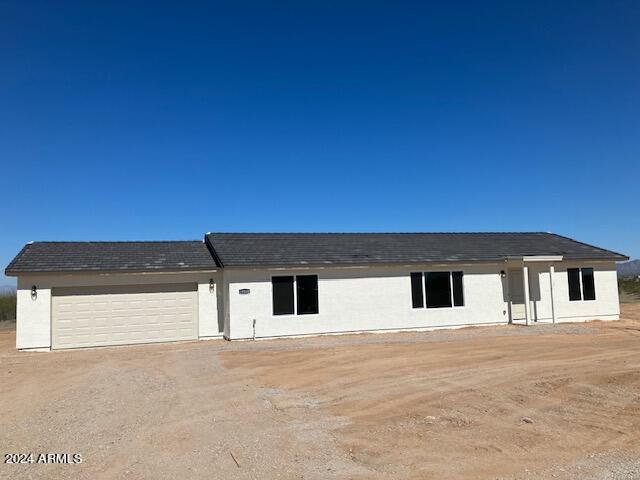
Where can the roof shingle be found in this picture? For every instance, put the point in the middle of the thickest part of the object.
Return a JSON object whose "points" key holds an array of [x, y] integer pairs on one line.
{"points": [[111, 256], [296, 249]]}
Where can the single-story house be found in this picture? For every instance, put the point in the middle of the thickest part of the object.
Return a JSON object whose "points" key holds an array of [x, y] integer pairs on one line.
{"points": [[257, 285]]}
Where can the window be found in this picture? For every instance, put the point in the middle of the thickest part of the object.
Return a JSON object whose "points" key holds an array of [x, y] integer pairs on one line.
{"points": [[581, 284], [458, 296], [573, 274], [306, 294], [282, 295], [588, 284], [307, 286], [417, 296], [438, 287], [441, 289]]}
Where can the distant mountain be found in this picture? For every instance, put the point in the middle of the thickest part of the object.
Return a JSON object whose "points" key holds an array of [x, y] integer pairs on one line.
{"points": [[7, 288], [629, 269]]}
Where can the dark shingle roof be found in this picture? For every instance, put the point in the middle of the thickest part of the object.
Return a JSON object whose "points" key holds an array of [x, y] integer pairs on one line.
{"points": [[291, 249], [111, 256], [295, 249]]}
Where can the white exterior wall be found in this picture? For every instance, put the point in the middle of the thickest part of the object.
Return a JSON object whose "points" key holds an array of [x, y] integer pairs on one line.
{"points": [[357, 299], [606, 306], [362, 299], [34, 316], [379, 298]]}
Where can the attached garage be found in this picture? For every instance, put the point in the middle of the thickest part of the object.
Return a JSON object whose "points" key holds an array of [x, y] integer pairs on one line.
{"points": [[95, 294], [121, 315]]}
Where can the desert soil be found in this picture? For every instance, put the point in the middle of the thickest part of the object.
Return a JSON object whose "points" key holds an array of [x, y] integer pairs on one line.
{"points": [[498, 403]]}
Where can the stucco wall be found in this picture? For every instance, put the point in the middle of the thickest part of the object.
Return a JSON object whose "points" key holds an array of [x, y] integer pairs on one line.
{"points": [[379, 298], [350, 299], [34, 316], [359, 299], [605, 307]]}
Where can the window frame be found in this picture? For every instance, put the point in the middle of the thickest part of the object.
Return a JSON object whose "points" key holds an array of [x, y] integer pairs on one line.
{"points": [[453, 295], [412, 276], [581, 284], [424, 290], [273, 292], [593, 279], [295, 295]]}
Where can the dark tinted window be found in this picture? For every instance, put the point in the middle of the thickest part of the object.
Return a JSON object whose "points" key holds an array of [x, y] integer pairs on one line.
{"points": [[588, 285], [573, 274], [438, 289], [416, 290], [307, 290], [458, 296], [282, 295]]}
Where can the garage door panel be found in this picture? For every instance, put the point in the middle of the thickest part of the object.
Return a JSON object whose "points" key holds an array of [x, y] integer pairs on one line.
{"points": [[98, 316]]}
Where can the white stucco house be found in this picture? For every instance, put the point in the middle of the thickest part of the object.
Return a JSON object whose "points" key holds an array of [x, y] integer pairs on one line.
{"points": [[259, 285]]}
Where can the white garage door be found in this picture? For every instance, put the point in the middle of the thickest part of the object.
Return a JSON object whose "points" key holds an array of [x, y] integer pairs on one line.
{"points": [[120, 315]]}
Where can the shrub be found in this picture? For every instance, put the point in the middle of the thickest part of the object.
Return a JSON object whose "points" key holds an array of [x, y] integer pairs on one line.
{"points": [[7, 305], [630, 287]]}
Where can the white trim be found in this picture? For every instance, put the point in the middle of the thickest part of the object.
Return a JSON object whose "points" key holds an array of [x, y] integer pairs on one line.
{"points": [[451, 298], [451, 289], [525, 286], [582, 299], [580, 281], [295, 296], [542, 258], [553, 306]]}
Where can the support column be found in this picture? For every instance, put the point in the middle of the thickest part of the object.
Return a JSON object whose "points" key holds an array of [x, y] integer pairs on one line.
{"points": [[525, 284], [553, 306]]}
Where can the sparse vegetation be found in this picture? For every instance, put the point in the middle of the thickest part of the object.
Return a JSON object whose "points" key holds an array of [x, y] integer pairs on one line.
{"points": [[629, 289], [7, 305]]}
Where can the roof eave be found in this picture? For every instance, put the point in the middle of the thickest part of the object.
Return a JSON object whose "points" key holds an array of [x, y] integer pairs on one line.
{"points": [[14, 273], [549, 258]]}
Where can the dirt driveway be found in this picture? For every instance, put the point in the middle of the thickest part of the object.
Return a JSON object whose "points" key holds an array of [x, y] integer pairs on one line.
{"points": [[503, 402]]}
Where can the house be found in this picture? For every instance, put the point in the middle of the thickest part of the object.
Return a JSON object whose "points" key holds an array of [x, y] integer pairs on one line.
{"points": [[257, 285]]}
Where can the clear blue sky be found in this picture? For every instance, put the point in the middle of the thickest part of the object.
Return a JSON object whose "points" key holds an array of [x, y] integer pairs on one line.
{"points": [[149, 120]]}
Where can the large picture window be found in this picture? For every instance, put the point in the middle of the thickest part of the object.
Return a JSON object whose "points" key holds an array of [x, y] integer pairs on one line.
{"points": [[293, 295], [581, 284], [437, 289]]}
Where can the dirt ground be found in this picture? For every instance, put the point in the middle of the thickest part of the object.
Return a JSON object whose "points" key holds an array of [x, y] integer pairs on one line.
{"points": [[498, 403]]}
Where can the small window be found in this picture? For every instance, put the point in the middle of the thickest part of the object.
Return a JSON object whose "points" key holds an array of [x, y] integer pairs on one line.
{"points": [[417, 299], [581, 284], [438, 288], [307, 290], [282, 295], [573, 275], [458, 295], [588, 285]]}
